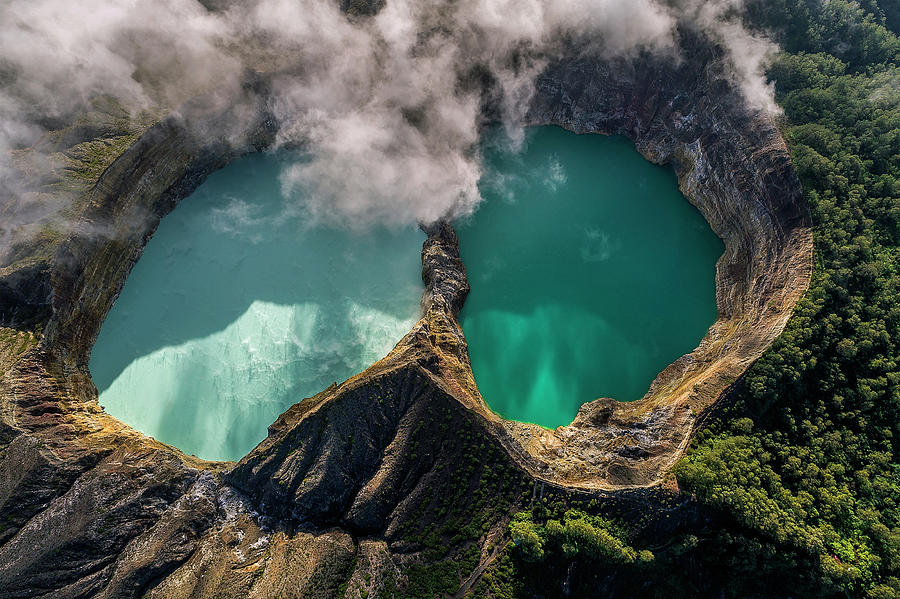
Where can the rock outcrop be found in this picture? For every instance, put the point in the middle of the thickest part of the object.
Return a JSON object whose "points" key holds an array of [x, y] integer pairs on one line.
{"points": [[355, 484]]}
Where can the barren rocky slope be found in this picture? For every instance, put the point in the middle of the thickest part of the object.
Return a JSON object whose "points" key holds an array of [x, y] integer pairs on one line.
{"points": [[402, 464]]}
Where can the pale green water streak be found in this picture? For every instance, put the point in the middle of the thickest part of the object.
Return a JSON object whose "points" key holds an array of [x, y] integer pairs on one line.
{"points": [[590, 273], [240, 307]]}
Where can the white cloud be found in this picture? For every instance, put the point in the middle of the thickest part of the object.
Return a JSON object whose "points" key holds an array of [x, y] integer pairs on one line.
{"points": [[378, 102]]}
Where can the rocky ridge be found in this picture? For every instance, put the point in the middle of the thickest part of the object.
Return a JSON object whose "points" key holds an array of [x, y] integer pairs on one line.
{"points": [[331, 502]]}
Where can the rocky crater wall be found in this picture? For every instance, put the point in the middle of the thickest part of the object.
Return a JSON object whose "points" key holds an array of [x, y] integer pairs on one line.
{"points": [[93, 508], [734, 167]]}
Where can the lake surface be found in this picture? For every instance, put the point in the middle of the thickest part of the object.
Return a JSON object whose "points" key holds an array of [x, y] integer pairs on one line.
{"points": [[241, 307], [590, 273]]}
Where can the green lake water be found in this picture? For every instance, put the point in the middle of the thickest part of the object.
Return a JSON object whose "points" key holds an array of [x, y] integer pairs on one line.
{"points": [[590, 273], [240, 307]]}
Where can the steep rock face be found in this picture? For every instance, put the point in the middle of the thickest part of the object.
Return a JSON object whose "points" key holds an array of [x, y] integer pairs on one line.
{"points": [[144, 184], [329, 501], [735, 168], [24, 295]]}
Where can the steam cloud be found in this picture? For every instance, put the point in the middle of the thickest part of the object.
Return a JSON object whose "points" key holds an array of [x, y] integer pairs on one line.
{"points": [[382, 103]]}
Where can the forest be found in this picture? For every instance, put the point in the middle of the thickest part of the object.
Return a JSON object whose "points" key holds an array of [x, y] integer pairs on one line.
{"points": [[807, 458]]}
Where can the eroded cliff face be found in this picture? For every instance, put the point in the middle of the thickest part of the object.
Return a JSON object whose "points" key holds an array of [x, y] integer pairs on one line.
{"points": [[354, 485], [735, 168]]}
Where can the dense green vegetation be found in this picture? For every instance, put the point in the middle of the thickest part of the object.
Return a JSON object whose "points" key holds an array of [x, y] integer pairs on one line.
{"points": [[806, 460], [565, 546], [576, 537]]}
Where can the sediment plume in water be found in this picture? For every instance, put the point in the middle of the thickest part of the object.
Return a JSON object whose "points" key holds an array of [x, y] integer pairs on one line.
{"points": [[240, 307]]}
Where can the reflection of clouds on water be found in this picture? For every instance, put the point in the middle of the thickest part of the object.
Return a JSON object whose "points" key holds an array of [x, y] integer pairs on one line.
{"points": [[503, 185], [490, 267], [243, 305], [237, 218], [556, 175], [350, 255], [598, 246], [248, 219], [507, 186]]}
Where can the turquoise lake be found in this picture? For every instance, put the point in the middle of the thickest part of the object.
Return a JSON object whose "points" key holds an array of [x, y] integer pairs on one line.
{"points": [[240, 307], [590, 273]]}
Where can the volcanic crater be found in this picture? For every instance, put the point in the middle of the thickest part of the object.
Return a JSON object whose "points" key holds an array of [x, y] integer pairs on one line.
{"points": [[341, 474]]}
